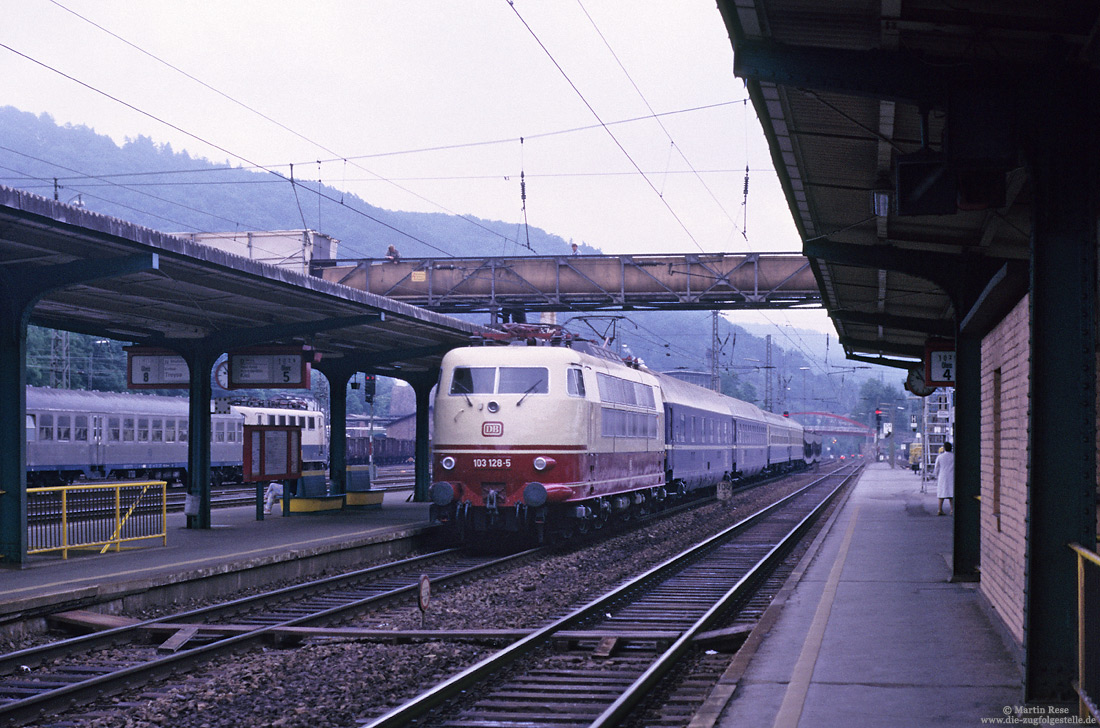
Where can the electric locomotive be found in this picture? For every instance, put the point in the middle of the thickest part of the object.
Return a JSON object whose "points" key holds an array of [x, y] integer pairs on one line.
{"points": [[535, 437], [559, 439]]}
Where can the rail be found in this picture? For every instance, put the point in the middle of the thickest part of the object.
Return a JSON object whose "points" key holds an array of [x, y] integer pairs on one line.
{"points": [[1088, 631], [67, 517], [615, 601]]}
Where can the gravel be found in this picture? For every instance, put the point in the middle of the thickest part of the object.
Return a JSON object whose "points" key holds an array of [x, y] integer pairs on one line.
{"points": [[337, 682]]}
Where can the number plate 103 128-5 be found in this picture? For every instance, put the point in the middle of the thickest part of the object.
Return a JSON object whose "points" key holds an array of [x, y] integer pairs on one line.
{"points": [[492, 462]]}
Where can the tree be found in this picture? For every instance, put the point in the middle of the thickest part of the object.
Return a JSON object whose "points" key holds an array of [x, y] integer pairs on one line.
{"points": [[874, 395]]}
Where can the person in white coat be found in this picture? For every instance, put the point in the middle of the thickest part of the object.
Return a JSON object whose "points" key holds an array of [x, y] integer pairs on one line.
{"points": [[944, 472]]}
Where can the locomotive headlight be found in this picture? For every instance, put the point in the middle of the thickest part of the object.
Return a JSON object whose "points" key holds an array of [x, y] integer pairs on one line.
{"points": [[448, 463], [542, 463], [493, 407]]}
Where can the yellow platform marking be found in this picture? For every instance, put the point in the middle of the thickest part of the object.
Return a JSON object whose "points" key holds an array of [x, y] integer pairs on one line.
{"points": [[364, 498], [790, 712], [175, 565]]}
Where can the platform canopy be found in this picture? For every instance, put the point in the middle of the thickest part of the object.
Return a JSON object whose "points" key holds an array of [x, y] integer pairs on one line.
{"points": [[896, 129], [179, 290]]}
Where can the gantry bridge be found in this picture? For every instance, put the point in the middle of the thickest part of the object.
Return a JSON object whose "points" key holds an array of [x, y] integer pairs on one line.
{"points": [[516, 285]]}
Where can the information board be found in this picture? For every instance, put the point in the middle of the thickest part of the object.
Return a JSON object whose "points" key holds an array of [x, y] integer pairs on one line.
{"points": [[273, 366], [939, 364], [152, 368], [272, 452]]}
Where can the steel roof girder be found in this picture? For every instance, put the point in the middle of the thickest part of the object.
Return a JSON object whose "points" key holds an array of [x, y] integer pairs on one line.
{"points": [[933, 327], [877, 74], [360, 362], [227, 339], [33, 282], [911, 350], [882, 359]]}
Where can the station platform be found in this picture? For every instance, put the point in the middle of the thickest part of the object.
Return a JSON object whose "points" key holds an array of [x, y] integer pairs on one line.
{"points": [[875, 633], [238, 544]]}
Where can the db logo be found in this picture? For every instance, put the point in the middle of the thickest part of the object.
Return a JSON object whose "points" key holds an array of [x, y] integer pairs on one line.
{"points": [[492, 429]]}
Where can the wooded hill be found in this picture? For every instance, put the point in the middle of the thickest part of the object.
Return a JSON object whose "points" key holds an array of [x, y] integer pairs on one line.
{"points": [[153, 185]]}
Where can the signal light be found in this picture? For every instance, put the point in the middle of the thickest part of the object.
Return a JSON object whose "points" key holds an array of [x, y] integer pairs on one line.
{"points": [[368, 387]]}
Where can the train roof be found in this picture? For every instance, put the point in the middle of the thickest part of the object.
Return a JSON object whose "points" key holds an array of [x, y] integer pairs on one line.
{"points": [[535, 355], [745, 410], [780, 421], [78, 400], [677, 391], [496, 355]]}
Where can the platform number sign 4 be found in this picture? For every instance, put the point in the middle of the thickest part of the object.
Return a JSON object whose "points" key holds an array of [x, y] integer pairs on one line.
{"points": [[941, 366]]}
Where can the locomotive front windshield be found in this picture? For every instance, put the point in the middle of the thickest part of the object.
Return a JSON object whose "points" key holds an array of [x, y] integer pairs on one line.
{"points": [[522, 380], [499, 380], [473, 380]]}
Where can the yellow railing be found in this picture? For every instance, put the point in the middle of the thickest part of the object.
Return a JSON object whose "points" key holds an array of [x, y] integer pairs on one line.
{"points": [[1088, 631], [68, 517]]}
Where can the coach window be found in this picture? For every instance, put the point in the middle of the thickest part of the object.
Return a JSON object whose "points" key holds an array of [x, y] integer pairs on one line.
{"points": [[32, 430], [183, 430], [169, 430], [230, 431], [80, 429], [114, 429], [219, 432], [158, 430], [45, 427], [473, 380], [127, 429], [64, 431], [575, 382], [143, 429]]}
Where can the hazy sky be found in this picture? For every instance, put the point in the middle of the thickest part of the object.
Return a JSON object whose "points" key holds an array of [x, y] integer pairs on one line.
{"points": [[385, 84]]}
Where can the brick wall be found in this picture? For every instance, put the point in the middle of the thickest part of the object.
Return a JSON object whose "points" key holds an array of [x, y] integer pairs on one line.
{"points": [[1004, 466]]}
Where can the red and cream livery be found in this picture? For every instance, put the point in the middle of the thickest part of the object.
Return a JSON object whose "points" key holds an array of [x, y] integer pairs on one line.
{"points": [[527, 433], [552, 439]]}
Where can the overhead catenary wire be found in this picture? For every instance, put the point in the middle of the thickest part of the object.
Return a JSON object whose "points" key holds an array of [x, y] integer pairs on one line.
{"points": [[433, 178], [114, 184], [523, 196], [215, 146], [604, 126], [277, 123], [345, 159], [655, 116]]}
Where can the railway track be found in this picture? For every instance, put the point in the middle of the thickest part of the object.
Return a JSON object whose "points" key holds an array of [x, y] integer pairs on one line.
{"points": [[596, 666], [66, 673], [59, 675]]}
